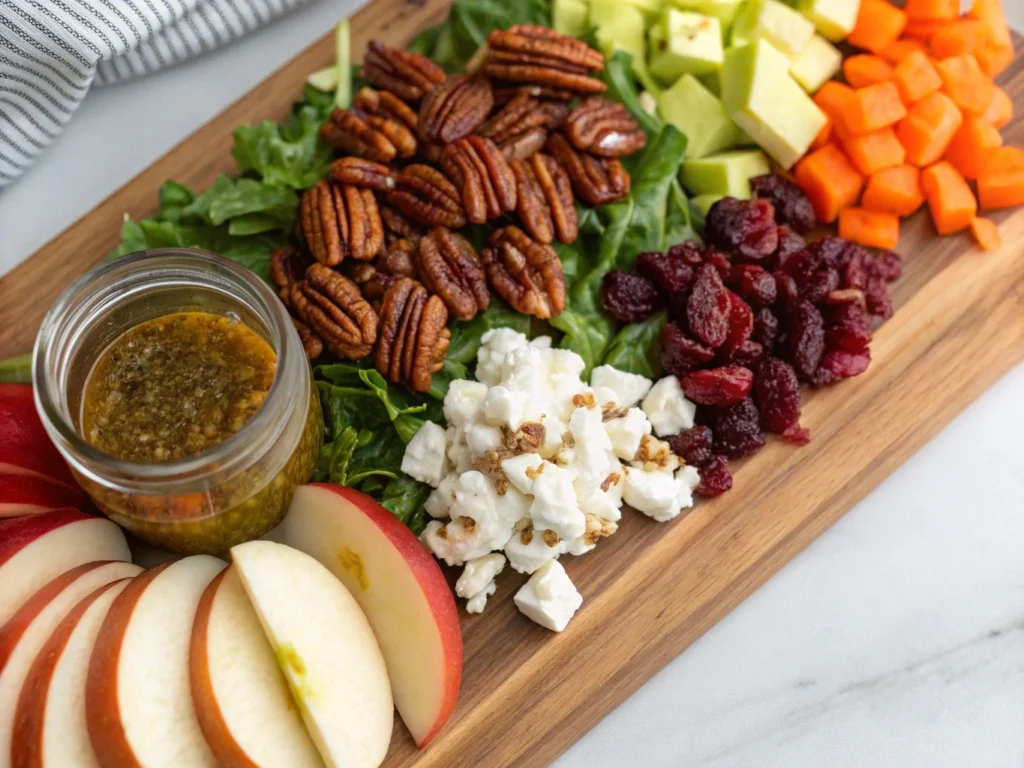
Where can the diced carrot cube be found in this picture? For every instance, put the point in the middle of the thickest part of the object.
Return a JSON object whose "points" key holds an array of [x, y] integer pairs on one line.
{"points": [[986, 232], [898, 51], [932, 9], [1000, 109], [894, 190], [871, 228], [1001, 179], [928, 129], [968, 87], [915, 77], [960, 37], [874, 152], [865, 69], [993, 59], [950, 199], [924, 29], [972, 145], [872, 108], [879, 24], [829, 181]]}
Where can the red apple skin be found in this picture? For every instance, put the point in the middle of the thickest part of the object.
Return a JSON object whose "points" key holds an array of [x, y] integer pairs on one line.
{"points": [[32, 495], [105, 729], [20, 532], [437, 592], [25, 446], [27, 751]]}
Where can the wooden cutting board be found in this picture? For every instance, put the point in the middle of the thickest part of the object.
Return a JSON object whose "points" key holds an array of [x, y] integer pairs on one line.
{"points": [[652, 589]]}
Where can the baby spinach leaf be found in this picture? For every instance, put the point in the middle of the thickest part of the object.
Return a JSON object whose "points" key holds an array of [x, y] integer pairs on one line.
{"points": [[290, 155], [466, 334], [404, 498], [618, 74], [635, 347]]}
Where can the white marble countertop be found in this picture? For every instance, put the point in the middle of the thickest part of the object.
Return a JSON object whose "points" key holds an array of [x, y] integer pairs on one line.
{"points": [[896, 639]]}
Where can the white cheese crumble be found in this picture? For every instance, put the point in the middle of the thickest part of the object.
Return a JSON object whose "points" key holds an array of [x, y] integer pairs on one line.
{"points": [[549, 597], [668, 409], [425, 458]]}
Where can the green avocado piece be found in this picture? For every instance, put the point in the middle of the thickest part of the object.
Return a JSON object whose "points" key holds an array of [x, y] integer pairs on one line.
{"points": [[698, 113], [817, 64], [622, 28], [704, 202], [784, 27], [569, 16], [723, 10], [768, 104], [834, 19], [685, 43], [727, 173]]}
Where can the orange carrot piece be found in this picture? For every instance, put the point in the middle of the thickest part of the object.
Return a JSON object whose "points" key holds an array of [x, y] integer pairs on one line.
{"points": [[915, 77], [1001, 179], [924, 29], [871, 228], [1000, 109], [894, 190], [960, 37], [866, 69], [972, 145], [950, 199], [875, 151], [990, 14], [898, 51], [872, 108], [993, 59], [832, 98], [824, 135], [829, 181], [969, 87], [928, 129], [878, 25], [986, 232], [932, 9]]}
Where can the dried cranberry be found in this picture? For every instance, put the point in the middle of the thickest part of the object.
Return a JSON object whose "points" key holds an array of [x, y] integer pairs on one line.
{"points": [[786, 287], [843, 365], [766, 328], [777, 394], [741, 324], [747, 226], [672, 275], [748, 354], [693, 445], [715, 478], [679, 353], [821, 378], [718, 386], [820, 285], [854, 271], [891, 264], [797, 435], [687, 252], [707, 309], [755, 284], [792, 207], [629, 298], [737, 429], [802, 265], [849, 329], [789, 243], [876, 298], [833, 251], [805, 342], [719, 259]]}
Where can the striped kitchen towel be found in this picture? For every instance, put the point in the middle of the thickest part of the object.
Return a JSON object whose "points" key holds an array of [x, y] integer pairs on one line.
{"points": [[53, 51]]}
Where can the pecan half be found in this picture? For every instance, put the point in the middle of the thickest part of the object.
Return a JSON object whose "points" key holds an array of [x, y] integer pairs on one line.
{"points": [[398, 226], [451, 268], [521, 127], [540, 56], [544, 199], [347, 131], [359, 172], [425, 195], [476, 165], [407, 75], [604, 128], [287, 267], [413, 339], [312, 344], [595, 180], [339, 220], [527, 274], [504, 93], [332, 306], [455, 108], [390, 116]]}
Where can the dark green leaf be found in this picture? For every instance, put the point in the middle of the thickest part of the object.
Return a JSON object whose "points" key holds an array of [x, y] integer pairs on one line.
{"points": [[618, 74], [290, 155], [635, 347], [466, 334], [405, 497]]}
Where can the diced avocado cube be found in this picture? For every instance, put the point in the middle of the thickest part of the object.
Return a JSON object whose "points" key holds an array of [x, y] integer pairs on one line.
{"points": [[686, 43], [723, 10], [622, 28], [784, 27], [698, 113], [817, 64], [834, 19], [768, 104], [704, 202], [570, 16], [727, 173]]}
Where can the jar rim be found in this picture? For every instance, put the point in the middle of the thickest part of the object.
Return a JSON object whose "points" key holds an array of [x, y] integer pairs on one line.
{"points": [[193, 472]]}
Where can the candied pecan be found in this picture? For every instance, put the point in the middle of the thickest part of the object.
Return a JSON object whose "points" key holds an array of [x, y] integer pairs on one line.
{"points": [[339, 220], [424, 194], [399, 259], [455, 108], [398, 226], [488, 185], [451, 269], [413, 339], [527, 274], [521, 127], [332, 306], [347, 131], [596, 180], [604, 128], [503, 94], [544, 199], [359, 172], [287, 267], [537, 55], [407, 75], [390, 116], [311, 343]]}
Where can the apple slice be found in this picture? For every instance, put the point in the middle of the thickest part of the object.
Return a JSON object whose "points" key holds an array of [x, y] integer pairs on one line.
{"points": [[34, 550], [29, 629], [32, 495], [241, 697], [49, 722], [137, 694], [399, 586], [326, 650], [26, 448]]}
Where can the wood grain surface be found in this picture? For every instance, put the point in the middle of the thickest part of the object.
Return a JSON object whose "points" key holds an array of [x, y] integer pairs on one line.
{"points": [[652, 589]]}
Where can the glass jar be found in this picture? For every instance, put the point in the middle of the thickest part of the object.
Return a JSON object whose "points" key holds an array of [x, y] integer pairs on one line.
{"points": [[206, 503]]}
